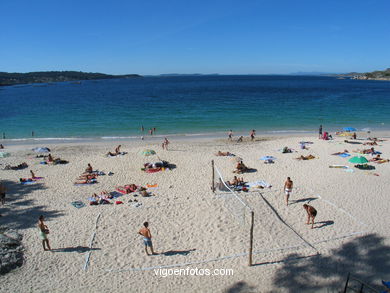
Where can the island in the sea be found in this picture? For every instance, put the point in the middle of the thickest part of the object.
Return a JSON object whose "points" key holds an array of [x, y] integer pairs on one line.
{"points": [[374, 75], [55, 76]]}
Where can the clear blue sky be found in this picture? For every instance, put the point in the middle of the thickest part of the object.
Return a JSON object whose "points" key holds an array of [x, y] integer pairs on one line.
{"points": [[186, 36]]}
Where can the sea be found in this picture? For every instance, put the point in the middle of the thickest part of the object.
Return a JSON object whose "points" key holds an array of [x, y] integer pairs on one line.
{"points": [[191, 106]]}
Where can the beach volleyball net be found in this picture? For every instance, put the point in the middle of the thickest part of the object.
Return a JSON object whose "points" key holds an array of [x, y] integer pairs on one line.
{"points": [[237, 206]]}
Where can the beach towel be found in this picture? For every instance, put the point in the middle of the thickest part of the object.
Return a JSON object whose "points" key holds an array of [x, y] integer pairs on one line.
{"points": [[28, 182], [115, 194], [344, 155], [119, 202], [37, 178], [153, 170], [77, 204], [152, 185], [338, 166], [349, 170], [258, 184]]}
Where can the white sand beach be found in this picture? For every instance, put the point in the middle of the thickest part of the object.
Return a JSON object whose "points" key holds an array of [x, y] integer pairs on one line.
{"points": [[191, 226]]}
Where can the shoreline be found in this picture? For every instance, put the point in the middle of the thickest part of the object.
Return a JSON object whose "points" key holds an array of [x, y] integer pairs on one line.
{"points": [[175, 137]]}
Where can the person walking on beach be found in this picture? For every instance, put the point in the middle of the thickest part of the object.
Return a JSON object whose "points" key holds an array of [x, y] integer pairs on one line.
{"points": [[43, 231], [288, 186], [320, 132], [142, 129], [165, 144], [311, 214], [230, 135], [252, 134], [145, 232], [151, 131], [2, 193]]}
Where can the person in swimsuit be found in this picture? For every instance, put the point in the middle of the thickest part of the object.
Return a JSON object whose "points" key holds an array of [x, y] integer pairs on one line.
{"points": [[252, 134], [89, 169], [288, 186], [230, 135], [240, 139], [320, 132], [2, 193], [43, 231], [145, 232], [311, 214]]}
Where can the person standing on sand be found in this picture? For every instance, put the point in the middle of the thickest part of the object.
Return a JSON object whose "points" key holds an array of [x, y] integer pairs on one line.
{"points": [[252, 134], [288, 186], [165, 143], [43, 231], [142, 128], [145, 232], [2, 193], [320, 132], [151, 131], [230, 135], [311, 214]]}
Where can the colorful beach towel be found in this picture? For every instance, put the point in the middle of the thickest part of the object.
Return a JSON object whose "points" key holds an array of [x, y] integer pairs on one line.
{"points": [[344, 155]]}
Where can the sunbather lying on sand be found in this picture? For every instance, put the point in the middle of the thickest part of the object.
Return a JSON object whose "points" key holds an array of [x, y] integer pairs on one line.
{"points": [[340, 153], [309, 157], [86, 181], [370, 143], [379, 160], [368, 151], [116, 152], [87, 176], [223, 154], [18, 167]]}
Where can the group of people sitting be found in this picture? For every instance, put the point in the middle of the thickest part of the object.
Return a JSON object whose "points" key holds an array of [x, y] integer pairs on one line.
{"points": [[88, 177], [54, 161], [236, 182], [241, 168], [155, 166], [103, 198]]}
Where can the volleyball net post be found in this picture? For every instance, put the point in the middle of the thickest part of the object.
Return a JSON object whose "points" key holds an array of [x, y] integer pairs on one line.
{"points": [[237, 206]]}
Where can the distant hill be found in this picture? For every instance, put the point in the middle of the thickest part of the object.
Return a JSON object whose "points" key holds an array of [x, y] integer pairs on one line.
{"points": [[54, 76], [374, 75]]}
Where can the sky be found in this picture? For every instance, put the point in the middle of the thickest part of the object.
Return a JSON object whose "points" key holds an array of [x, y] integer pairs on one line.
{"points": [[215, 36]]}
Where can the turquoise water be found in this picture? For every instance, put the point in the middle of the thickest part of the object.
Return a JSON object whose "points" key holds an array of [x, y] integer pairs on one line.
{"points": [[192, 105]]}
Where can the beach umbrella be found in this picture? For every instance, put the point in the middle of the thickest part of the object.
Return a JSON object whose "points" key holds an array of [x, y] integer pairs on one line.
{"points": [[358, 160], [148, 152], [41, 150], [349, 129], [266, 158]]}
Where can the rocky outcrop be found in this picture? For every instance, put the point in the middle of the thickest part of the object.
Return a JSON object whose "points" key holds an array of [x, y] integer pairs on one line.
{"points": [[11, 250]]}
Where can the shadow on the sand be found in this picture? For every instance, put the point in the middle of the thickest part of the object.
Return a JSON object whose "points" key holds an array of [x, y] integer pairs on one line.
{"points": [[323, 224], [240, 287], [177, 252], [27, 215], [308, 199], [78, 249], [366, 257]]}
